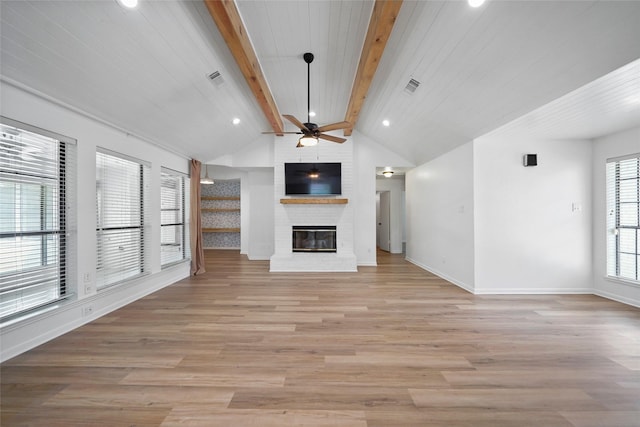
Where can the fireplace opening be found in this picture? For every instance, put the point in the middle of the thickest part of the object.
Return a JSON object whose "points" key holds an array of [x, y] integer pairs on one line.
{"points": [[314, 238]]}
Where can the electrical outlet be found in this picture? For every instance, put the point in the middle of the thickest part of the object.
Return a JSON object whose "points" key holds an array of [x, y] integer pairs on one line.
{"points": [[87, 310], [88, 289]]}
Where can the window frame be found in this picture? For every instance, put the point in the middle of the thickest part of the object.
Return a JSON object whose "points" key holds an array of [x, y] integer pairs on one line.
{"points": [[104, 278], [183, 181], [57, 223], [615, 226]]}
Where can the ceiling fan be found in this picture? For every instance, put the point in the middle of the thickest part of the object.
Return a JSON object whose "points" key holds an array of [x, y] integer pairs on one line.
{"points": [[310, 131]]}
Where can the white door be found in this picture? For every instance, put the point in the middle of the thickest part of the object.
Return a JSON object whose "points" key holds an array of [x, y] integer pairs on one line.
{"points": [[384, 238]]}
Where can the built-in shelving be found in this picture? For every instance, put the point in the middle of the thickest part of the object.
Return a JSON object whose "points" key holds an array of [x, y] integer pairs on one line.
{"points": [[220, 230], [220, 198], [220, 209], [220, 212], [314, 201]]}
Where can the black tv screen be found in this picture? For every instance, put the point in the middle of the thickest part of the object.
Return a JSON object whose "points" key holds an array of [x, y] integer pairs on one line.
{"points": [[319, 179]]}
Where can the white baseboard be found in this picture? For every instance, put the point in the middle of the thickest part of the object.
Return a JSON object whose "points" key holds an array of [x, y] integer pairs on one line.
{"points": [[458, 283], [225, 248], [534, 291], [618, 298], [368, 264]]}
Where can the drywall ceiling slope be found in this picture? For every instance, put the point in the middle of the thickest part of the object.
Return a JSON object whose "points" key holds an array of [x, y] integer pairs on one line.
{"points": [[143, 70], [481, 68], [605, 106]]}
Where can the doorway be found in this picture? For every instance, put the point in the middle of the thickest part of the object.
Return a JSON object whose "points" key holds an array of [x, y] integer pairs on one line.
{"points": [[383, 218]]}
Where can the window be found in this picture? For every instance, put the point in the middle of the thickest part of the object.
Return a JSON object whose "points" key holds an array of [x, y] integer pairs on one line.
{"points": [[623, 219], [173, 232], [36, 217], [121, 192]]}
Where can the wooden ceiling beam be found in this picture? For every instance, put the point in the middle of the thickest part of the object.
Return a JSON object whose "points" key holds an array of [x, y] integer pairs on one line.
{"points": [[227, 18], [381, 23]]}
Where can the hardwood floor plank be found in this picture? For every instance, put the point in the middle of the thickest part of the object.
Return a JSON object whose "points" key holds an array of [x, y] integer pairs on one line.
{"points": [[136, 396], [417, 360], [197, 416], [197, 378], [603, 418], [509, 399], [466, 417], [318, 397], [388, 346], [86, 417]]}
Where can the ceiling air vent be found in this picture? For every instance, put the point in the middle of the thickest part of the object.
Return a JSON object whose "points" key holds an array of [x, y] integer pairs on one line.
{"points": [[412, 86], [216, 77]]}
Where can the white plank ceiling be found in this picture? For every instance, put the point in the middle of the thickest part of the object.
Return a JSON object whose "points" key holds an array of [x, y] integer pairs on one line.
{"points": [[144, 70]]}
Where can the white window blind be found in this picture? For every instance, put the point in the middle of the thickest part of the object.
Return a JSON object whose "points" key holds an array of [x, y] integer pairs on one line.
{"points": [[37, 187], [623, 217], [121, 192], [173, 231]]}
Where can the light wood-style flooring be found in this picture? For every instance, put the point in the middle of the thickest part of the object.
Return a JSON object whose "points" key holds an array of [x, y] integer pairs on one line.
{"points": [[388, 346]]}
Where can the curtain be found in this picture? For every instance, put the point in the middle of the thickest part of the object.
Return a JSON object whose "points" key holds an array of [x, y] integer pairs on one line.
{"points": [[195, 225]]}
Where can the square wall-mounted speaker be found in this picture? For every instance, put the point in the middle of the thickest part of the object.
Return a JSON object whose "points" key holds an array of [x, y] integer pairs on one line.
{"points": [[530, 160]]}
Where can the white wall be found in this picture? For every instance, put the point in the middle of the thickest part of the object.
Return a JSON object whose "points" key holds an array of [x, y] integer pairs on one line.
{"points": [[367, 156], [619, 144], [528, 236], [395, 187], [439, 215], [24, 106], [261, 221]]}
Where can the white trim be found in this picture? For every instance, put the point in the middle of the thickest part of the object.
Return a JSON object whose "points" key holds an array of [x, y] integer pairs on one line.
{"points": [[463, 285], [614, 297], [169, 171], [126, 157], [621, 158], [536, 291], [622, 281], [34, 129], [225, 248]]}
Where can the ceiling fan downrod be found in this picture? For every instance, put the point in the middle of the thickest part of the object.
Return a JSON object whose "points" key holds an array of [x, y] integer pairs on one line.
{"points": [[308, 58]]}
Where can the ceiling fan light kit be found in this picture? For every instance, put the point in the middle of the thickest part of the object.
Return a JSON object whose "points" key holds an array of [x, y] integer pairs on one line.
{"points": [[311, 132], [307, 141]]}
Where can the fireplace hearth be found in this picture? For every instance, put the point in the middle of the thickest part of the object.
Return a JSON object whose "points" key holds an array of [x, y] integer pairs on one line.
{"points": [[314, 238]]}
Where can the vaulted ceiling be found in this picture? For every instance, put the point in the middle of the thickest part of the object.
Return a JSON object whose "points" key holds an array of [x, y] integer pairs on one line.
{"points": [[146, 70]]}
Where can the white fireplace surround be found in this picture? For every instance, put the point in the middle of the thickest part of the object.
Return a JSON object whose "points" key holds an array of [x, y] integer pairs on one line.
{"points": [[300, 214]]}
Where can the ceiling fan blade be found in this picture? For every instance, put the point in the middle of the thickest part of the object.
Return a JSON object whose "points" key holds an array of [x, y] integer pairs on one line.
{"points": [[298, 133], [334, 126], [331, 138], [296, 122]]}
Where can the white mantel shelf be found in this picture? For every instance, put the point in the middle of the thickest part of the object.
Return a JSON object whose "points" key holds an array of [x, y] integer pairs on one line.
{"points": [[314, 201]]}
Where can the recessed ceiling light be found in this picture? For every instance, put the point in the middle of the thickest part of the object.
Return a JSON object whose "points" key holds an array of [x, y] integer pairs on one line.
{"points": [[386, 122], [236, 121], [475, 3], [129, 3], [312, 113]]}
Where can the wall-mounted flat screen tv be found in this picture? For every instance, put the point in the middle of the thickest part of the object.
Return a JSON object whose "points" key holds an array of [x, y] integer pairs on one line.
{"points": [[315, 179]]}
